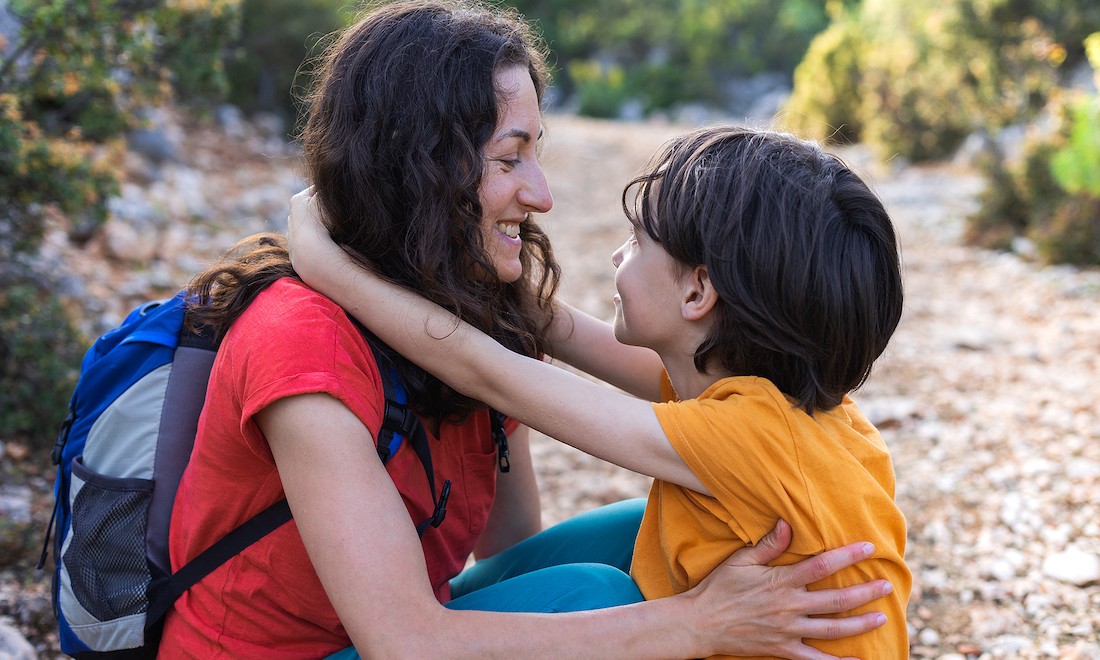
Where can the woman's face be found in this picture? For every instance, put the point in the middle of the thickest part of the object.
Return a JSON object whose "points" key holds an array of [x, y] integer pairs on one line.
{"points": [[512, 184]]}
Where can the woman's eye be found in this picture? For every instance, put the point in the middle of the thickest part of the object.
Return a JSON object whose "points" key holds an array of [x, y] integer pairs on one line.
{"points": [[509, 163]]}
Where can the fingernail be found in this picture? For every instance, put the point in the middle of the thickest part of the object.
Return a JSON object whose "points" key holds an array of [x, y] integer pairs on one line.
{"points": [[887, 589], [880, 619], [868, 549]]}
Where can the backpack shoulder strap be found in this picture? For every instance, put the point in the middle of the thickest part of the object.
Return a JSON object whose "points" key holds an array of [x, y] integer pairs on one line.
{"points": [[232, 544], [398, 423]]}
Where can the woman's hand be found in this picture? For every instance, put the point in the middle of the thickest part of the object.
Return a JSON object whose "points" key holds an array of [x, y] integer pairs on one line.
{"points": [[763, 610]]}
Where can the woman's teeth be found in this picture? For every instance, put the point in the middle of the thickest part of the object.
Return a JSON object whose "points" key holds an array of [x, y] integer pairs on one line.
{"points": [[508, 229]]}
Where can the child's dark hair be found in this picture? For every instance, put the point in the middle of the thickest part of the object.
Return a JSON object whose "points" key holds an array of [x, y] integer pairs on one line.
{"points": [[802, 254]]}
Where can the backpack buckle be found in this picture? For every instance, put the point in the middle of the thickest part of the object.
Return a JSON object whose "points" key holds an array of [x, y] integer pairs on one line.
{"points": [[62, 437], [441, 506]]}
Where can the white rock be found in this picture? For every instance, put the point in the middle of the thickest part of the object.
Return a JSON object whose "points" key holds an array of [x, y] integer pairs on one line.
{"points": [[1073, 566], [127, 244], [929, 637], [13, 646]]}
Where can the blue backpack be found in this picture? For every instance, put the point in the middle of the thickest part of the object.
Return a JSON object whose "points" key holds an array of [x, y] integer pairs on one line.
{"points": [[120, 454]]}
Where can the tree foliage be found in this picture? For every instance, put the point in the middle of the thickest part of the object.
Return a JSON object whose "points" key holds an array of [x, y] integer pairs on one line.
{"points": [[670, 51], [276, 37]]}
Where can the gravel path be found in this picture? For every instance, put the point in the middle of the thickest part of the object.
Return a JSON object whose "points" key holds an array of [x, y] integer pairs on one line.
{"points": [[987, 396]]}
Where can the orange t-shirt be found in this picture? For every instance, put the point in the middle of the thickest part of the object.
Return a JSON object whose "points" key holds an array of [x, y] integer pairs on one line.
{"points": [[828, 475]]}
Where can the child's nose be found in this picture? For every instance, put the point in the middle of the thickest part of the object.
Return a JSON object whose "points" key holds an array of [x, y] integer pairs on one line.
{"points": [[617, 256]]}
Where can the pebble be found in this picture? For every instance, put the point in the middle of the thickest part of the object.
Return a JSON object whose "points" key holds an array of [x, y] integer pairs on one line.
{"points": [[14, 646], [1073, 566]]}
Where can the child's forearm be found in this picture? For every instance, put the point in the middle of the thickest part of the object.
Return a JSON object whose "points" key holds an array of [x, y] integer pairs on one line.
{"points": [[589, 344], [590, 417]]}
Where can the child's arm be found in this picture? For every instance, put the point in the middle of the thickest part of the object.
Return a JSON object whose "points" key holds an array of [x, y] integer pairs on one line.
{"points": [[590, 417], [589, 344]]}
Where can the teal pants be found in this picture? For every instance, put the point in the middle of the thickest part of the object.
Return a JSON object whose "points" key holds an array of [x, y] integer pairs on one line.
{"points": [[580, 564]]}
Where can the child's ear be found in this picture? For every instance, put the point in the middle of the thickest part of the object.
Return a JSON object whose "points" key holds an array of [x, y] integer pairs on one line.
{"points": [[700, 295]]}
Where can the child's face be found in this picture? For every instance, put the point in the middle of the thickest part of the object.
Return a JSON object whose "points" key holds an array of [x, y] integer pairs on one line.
{"points": [[512, 184], [648, 285]]}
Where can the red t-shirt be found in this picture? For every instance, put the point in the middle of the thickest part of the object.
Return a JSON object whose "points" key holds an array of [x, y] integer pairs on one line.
{"points": [[267, 601]]}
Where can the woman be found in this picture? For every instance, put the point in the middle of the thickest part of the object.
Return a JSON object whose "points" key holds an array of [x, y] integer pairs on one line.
{"points": [[421, 142]]}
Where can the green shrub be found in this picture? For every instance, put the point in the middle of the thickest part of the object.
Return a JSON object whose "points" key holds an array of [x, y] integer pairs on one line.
{"points": [[1002, 214], [71, 85], [194, 56], [1053, 196], [76, 176], [276, 36], [674, 51], [40, 357], [1076, 166], [600, 91], [1071, 235], [933, 74], [72, 82], [825, 102], [926, 75]]}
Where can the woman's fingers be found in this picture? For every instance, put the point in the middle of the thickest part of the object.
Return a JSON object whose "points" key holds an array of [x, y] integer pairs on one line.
{"points": [[819, 567]]}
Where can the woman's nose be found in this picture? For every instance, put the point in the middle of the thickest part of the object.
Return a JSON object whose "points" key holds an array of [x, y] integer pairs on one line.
{"points": [[617, 256], [535, 193]]}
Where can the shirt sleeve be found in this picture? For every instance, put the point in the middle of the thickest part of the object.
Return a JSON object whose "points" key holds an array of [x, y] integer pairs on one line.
{"points": [[739, 445], [293, 341]]}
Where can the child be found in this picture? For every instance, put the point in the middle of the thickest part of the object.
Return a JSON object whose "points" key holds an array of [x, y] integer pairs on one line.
{"points": [[765, 274]]}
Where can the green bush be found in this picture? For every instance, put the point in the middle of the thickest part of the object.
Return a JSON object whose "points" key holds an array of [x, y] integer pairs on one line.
{"points": [[40, 357], [72, 82], [674, 51], [600, 91], [194, 54], [933, 74], [1076, 166], [825, 102], [1053, 196], [926, 75], [276, 36]]}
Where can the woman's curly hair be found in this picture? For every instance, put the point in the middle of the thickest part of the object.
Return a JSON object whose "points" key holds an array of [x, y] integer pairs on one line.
{"points": [[403, 104]]}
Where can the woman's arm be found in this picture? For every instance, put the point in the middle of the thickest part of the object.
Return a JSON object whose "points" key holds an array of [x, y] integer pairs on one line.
{"points": [[517, 512], [589, 344], [591, 417], [742, 608]]}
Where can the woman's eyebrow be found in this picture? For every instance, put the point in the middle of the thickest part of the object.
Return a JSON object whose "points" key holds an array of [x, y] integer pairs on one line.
{"points": [[518, 133]]}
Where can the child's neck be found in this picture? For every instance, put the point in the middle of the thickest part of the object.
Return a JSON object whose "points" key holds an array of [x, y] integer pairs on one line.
{"points": [[686, 379]]}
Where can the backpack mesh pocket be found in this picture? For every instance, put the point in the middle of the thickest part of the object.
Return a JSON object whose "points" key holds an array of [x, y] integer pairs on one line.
{"points": [[104, 554]]}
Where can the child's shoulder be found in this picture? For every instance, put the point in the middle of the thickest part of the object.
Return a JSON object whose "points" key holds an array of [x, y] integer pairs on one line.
{"points": [[743, 388], [754, 399]]}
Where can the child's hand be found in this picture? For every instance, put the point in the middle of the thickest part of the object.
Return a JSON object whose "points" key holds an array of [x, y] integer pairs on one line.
{"points": [[312, 250]]}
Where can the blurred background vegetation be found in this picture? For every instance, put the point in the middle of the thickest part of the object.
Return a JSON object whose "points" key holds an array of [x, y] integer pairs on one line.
{"points": [[914, 81]]}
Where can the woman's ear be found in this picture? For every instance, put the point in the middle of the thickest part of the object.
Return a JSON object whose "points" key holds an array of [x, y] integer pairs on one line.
{"points": [[700, 296]]}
